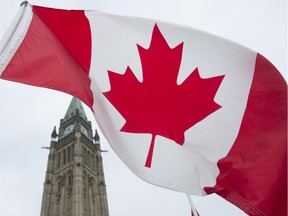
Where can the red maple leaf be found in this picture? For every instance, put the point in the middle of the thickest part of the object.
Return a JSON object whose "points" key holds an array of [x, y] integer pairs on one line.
{"points": [[159, 105]]}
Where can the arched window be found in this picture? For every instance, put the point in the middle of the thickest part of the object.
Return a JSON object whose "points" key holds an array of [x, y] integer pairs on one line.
{"points": [[93, 162], [70, 180], [68, 154], [72, 151], [64, 157], [59, 160], [85, 156], [59, 185], [88, 158], [83, 153]]}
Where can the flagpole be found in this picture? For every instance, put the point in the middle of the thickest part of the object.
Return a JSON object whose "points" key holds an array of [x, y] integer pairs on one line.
{"points": [[193, 209]]}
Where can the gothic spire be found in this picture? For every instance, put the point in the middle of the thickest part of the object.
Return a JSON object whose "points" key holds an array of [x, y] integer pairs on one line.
{"points": [[74, 107]]}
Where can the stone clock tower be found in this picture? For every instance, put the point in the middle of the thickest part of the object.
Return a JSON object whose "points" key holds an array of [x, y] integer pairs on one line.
{"points": [[74, 183]]}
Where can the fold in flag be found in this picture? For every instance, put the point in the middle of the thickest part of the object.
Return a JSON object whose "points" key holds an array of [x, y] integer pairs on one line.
{"points": [[183, 109], [192, 214]]}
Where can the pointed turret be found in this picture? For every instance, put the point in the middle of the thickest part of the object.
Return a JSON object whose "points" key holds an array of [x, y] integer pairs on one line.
{"points": [[96, 137], [74, 107], [54, 133]]}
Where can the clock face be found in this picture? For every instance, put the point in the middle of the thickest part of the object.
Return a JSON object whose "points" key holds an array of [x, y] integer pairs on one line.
{"points": [[69, 130], [84, 131]]}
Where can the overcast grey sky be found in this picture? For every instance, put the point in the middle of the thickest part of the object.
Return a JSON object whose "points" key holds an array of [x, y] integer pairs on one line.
{"points": [[28, 114]]}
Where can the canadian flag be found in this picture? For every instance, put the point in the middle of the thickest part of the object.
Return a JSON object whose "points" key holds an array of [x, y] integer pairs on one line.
{"points": [[183, 109]]}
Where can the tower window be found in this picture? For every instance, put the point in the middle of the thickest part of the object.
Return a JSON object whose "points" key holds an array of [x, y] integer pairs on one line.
{"points": [[59, 159], [88, 158], [70, 181], [64, 157], [59, 185], [68, 154], [93, 162]]}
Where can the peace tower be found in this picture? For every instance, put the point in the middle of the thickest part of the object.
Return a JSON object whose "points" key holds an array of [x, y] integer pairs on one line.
{"points": [[74, 183]]}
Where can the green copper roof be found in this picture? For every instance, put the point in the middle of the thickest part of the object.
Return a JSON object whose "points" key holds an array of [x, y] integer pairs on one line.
{"points": [[75, 105]]}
